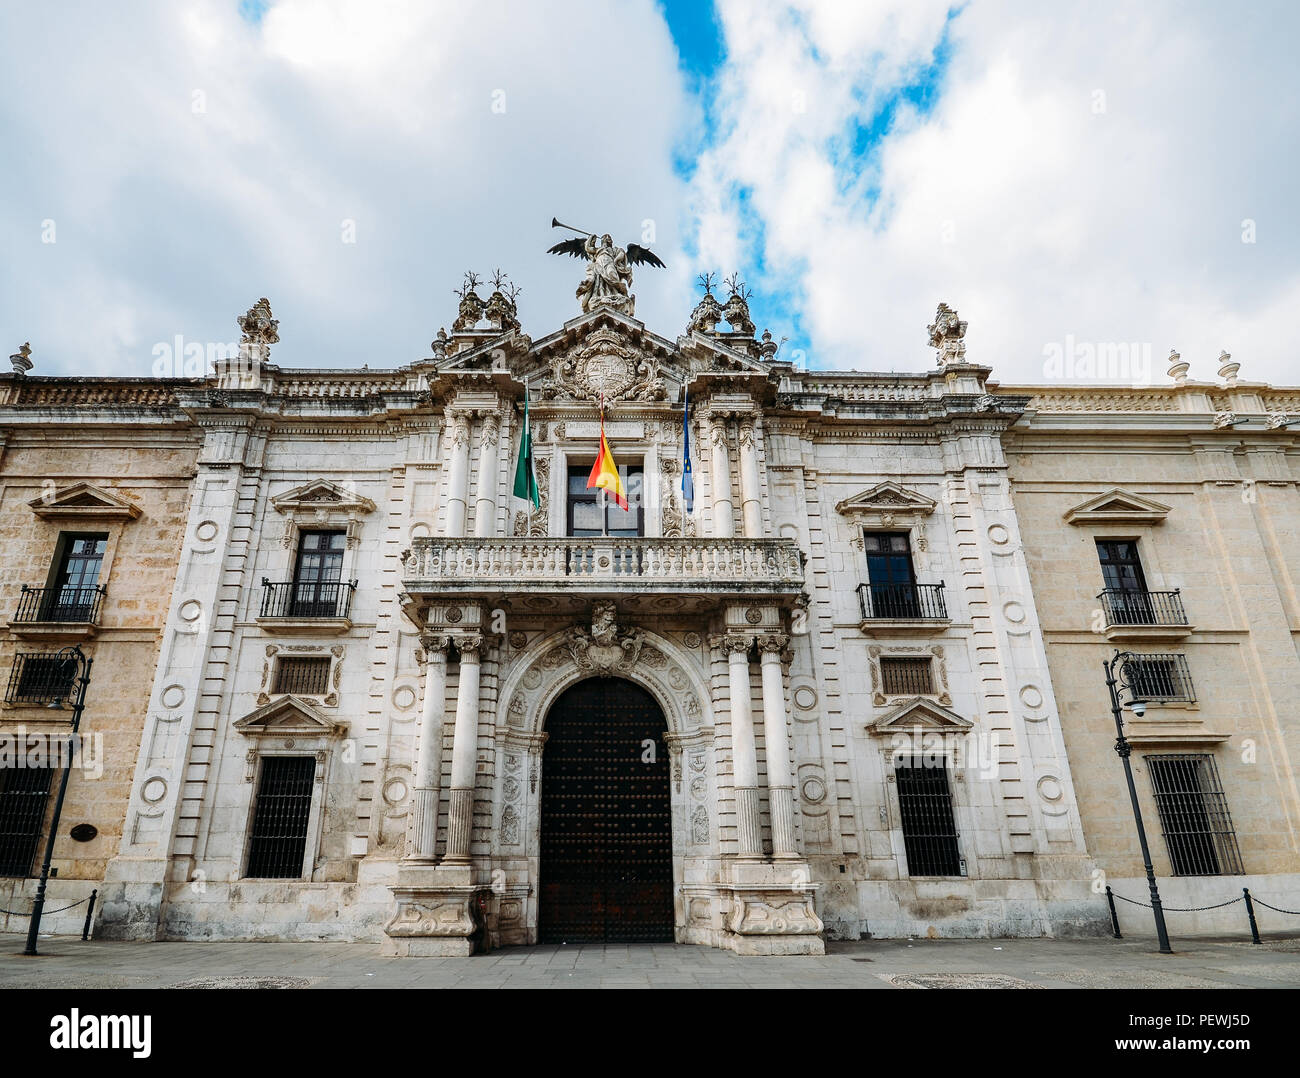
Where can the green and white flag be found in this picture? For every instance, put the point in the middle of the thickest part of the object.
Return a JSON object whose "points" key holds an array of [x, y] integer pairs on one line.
{"points": [[525, 472]]}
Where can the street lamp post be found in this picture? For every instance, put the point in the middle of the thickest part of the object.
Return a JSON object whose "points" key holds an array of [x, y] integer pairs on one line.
{"points": [[1123, 749], [82, 679]]}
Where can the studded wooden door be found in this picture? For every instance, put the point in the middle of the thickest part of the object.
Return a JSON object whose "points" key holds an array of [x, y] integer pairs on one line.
{"points": [[606, 843]]}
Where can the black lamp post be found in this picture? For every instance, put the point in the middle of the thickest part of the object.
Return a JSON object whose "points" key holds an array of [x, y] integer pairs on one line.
{"points": [[1123, 749], [80, 681]]}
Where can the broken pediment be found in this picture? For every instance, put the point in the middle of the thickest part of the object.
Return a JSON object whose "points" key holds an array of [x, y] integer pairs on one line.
{"points": [[1117, 506], [920, 714], [82, 501], [322, 494], [289, 716], [886, 498]]}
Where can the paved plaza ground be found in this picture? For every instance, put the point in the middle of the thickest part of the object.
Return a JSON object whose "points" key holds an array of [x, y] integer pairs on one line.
{"points": [[1092, 963]]}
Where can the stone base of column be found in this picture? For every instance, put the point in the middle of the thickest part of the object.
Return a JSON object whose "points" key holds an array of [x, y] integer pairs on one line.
{"points": [[772, 911], [749, 832], [437, 913], [131, 900], [423, 838], [460, 824]]}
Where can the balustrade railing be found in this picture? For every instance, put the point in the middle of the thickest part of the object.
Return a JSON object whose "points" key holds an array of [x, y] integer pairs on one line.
{"points": [[63, 604]]}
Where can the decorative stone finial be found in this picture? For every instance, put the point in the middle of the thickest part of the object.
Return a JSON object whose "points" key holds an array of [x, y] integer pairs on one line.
{"points": [[439, 343], [22, 359], [1177, 368], [947, 336], [1227, 369], [736, 312], [500, 310], [471, 304], [260, 331], [767, 349], [708, 312]]}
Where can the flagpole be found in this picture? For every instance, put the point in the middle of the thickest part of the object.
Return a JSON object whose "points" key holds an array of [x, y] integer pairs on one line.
{"points": [[528, 431], [604, 494]]}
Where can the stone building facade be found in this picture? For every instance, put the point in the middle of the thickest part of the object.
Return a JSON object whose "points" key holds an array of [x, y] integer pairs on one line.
{"points": [[394, 703], [95, 479]]}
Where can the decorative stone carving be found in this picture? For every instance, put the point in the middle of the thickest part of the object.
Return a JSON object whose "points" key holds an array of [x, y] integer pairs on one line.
{"points": [[606, 648], [700, 826], [605, 364], [772, 913], [259, 331], [947, 336]]}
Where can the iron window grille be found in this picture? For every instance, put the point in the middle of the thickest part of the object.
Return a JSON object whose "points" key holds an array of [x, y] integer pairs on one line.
{"points": [[302, 676], [1194, 815], [24, 792], [925, 808], [40, 677], [66, 603], [280, 817], [906, 677], [1159, 678]]}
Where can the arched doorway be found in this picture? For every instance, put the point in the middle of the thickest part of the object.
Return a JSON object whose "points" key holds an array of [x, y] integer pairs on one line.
{"points": [[606, 872]]}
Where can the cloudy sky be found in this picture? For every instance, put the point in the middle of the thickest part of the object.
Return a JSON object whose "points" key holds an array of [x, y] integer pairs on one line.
{"points": [[1066, 176]]}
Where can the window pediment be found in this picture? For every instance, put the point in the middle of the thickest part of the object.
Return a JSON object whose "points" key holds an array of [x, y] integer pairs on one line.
{"points": [[320, 495], [920, 714], [82, 501], [1118, 506], [290, 716], [886, 499]]}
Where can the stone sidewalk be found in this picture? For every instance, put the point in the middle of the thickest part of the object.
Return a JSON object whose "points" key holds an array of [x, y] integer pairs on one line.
{"points": [[1092, 963]]}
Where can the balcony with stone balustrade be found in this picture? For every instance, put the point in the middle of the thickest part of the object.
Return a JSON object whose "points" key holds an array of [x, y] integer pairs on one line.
{"points": [[644, 572]]}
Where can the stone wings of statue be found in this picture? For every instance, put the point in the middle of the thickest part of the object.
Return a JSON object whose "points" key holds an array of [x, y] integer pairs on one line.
{"points": [[608, 280]]}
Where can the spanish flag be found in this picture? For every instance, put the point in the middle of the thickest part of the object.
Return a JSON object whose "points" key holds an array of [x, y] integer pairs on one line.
{"points": [[604, 473]]}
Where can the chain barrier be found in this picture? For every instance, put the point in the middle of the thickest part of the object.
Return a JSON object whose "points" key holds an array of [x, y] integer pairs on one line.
{"points": [[1260, 902], [1183, 909], [1246, 897]]}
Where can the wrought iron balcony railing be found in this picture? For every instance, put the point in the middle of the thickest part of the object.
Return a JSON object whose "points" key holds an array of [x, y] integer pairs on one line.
{"points": [[1159, 678], [80, 604], [902, 602], [40, 677], [302, 599], [699, 565], [1125, 606]]}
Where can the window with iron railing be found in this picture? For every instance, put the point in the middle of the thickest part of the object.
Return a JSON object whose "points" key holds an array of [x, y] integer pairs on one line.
{"points": [[302, 676], [24, 792], [1159, 678], [906, 676], [40, 677], [1194, 815], [280, 817], [925, 809]]}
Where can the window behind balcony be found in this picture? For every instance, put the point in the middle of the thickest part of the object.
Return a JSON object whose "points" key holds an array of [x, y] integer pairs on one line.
{"points": [[280, 817], [1128, 601], [1194, 815], [891, 580], [925, 807], [594, 512], [317, 574], [24, 792], [74, 587]]}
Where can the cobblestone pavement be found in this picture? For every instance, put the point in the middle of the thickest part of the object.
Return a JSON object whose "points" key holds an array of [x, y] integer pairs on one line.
{"points": [[1093, 963]]}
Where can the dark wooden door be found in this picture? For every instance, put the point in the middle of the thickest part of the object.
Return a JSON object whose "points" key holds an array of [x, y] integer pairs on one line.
{"points": [[606, 842]]}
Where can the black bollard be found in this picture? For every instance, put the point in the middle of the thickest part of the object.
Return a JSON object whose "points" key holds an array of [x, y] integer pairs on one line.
{"points": [[1250, 912], [1114, 917], [90, 913]]}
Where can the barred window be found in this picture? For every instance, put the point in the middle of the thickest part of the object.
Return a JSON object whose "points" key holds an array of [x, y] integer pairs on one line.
{"points": [[925, 807], [24, 792], [906, 677], [303, 676], [1159, 677], [1194, 815], [39, 677], [280, 817]]}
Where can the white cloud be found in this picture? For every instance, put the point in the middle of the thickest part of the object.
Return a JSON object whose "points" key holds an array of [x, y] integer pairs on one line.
{"points": [[1013, 200], [175, 221]]}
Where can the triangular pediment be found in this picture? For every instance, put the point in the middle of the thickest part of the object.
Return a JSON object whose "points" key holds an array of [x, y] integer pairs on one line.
{"points": [[1118, 506], [921, 714], [289, 716], [322, 494], [887, 497], [86, 501]]}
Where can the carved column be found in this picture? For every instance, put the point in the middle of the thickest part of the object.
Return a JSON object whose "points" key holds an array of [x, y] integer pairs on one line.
{"points": [[744, 755], [428, 762], [458, 474], [749, 503], [485, 505], [724, 524], [464, 751], [776, 742]]}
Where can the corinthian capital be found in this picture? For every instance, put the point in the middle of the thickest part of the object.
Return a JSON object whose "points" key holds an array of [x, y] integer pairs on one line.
{"points": [[469, 645], [491, 428], [773, 643], [434, 646], [732, 643]]}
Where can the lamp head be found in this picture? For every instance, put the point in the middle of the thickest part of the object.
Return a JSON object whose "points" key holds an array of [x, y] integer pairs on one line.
{"points": [[1139, 708]]}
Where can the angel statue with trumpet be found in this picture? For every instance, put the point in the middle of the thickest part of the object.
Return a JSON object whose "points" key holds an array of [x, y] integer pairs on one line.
{"points": [[608, 280]]}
